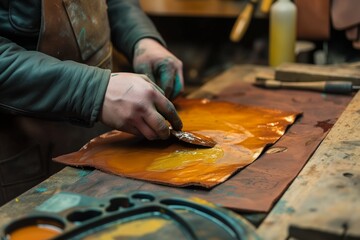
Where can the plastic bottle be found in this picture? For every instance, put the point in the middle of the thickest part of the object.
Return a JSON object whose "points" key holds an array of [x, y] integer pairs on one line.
{"points": [[282, 32]]}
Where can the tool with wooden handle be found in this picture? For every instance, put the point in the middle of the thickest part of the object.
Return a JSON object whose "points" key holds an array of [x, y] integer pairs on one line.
{"points": [[299, 72], [242, 21], [338, 87], [265, 6]]}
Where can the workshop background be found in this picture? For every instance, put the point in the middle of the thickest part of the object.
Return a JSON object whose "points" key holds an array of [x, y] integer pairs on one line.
{"points": [[198, 32], [303, 186]]}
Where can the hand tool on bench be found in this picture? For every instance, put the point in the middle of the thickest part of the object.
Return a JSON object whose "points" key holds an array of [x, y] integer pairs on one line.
{"points": [[298, 72], [242, 21], [338, 87], [329, 79]]}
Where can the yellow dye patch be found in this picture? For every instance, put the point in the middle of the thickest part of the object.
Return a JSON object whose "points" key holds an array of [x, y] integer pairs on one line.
{"points": [[183, 158]]}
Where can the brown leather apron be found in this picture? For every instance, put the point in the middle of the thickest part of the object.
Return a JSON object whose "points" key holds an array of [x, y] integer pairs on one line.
{"points": [[76, 30], [71, 30]]}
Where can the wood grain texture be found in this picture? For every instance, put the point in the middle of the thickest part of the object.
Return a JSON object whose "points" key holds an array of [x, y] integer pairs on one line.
{"points": [[245, 73], [210, 8], [325, 198], [197, 8], [294, 72], [36, 195]]}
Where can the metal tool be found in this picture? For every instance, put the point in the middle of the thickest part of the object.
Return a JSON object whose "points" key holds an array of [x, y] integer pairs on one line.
{"points": [[193, 138], [338, 87]]}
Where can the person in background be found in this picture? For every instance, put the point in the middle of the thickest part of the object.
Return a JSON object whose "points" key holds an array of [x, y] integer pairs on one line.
{"points": [[55, 74]]}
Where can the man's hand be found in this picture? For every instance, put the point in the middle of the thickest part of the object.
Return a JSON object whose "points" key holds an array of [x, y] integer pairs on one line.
{"points": [[134, 104], [162, 67]]}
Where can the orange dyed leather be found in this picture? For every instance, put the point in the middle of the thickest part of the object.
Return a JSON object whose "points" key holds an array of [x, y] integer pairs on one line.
{"points": [[241, 133]]}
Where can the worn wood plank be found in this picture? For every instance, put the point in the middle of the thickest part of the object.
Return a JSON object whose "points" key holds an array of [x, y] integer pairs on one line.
{"points": [[326, 195], [210, 8], [36, 195], [323, 197], [244, 73], [295, 72], [197, 8]]}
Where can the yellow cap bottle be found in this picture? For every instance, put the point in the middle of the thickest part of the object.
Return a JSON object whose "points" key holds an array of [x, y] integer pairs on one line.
{"points": [[282, 32]]}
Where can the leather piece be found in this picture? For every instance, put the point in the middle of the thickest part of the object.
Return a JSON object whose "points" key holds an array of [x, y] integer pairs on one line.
{"points": [[56, 36], [256, 187], [241, 133], [72, 34], [89, 23]]}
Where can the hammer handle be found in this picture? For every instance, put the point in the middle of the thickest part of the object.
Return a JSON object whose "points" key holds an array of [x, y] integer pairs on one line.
{"points": [[339, 87], [242, 22]]}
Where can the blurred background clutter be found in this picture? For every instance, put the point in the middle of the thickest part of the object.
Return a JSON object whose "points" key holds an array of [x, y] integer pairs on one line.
{"points": [[210, 36]]}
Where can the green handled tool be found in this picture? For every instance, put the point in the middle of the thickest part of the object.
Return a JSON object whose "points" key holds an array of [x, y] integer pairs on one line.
{"points": [[338, 87]]}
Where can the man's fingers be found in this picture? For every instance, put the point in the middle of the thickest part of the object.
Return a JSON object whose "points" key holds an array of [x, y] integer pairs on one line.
{"points": [[178, 85], [158, 124], [167, 79], [146, 129], [146, 70], [168, 111], [166, 74], [133, 130], [153, 84]]}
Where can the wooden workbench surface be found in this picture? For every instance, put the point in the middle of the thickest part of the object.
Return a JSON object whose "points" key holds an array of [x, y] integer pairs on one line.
{"points": [[197, 8], [210, 8], [323, 202]]}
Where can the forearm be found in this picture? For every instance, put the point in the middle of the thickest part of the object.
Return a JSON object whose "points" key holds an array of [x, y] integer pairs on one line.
{"points": [[129, 24], [34, 84]]}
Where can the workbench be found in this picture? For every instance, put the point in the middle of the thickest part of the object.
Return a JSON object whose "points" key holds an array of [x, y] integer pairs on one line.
{"points": [[323, 202], [198, 8], [212, 8]]}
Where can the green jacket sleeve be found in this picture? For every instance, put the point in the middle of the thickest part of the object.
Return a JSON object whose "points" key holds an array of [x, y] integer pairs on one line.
{"points": [[37, 85], [129, 24]]}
